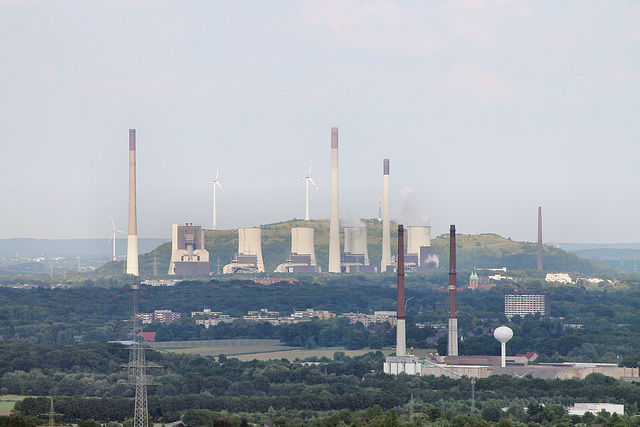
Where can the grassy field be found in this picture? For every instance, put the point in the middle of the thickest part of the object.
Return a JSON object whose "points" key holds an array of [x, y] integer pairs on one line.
{"points": [[7, 402], [226, 347], [262, 349]]}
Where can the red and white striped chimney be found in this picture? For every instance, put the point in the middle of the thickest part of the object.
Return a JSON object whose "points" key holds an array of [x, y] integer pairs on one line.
{"points": [[401, 332], [132, 238], [452, 349]]}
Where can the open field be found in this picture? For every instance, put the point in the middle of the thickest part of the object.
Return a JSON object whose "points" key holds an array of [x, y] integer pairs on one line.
{"points": [[292, 355], [262, 349], [7, 402], [226, 347]]}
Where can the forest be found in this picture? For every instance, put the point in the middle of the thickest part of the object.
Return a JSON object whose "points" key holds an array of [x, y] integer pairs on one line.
{"points": [[90, 384], [55, 344], [609, 326]]}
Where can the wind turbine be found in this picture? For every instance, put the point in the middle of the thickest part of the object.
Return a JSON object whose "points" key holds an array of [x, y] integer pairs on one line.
{"points": [[308, 178], [113, 237], [215, 183]]}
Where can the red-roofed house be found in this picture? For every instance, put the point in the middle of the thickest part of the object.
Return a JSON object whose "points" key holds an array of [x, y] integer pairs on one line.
{"points": [[147, 336]]}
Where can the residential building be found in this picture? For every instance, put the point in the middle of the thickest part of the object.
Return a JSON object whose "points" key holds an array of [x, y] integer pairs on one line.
{"points": [[558, 277], [214, 321], [166, 316], [521, 304], [595, 408]]}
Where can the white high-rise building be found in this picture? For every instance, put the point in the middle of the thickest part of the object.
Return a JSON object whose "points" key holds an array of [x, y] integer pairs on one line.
{"points": [[521, 304]]}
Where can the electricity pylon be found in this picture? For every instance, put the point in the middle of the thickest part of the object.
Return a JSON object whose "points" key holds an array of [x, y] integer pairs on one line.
{"points": [[137, 366], [52, 416]]}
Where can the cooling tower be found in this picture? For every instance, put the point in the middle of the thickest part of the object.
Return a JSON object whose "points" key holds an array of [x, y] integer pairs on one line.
{"points": [[302, 242], [302, 258], [132, 238], [540, 238], [355, 242], [386, 231], [417, 236], [250, 243], [452, 349], [401, 338], [334, 223]]}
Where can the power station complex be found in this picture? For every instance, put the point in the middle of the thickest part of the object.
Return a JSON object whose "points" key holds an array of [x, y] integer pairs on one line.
{"points": [[190, 258]]}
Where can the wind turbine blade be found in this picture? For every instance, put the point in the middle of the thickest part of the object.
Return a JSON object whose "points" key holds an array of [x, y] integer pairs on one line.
{"points": [[310, 164], [300, 179], [112, 223], [221, 188], [210, 182], [218, 171], [111, 238], [314, 184]]}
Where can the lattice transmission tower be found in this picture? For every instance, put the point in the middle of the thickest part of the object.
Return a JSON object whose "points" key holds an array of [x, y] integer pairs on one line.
{"points": [[52, 416], [138, 365]]}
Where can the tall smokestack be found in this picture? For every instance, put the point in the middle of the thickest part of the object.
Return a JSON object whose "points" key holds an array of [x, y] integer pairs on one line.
{"points": [[452, 349], [334, 223], [401, 340], [132, 239], [386, 222], [540, 238]]}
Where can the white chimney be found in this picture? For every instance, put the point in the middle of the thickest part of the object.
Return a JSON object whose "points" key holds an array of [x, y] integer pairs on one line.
{"points": [[334, 223], [386, 222]]}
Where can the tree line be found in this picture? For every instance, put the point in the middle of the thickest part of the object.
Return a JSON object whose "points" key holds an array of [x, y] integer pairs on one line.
{"points": [[343, 388]]}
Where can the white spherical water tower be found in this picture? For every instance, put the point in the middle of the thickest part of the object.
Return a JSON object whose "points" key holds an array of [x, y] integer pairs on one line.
{"points": [[503, 334]]}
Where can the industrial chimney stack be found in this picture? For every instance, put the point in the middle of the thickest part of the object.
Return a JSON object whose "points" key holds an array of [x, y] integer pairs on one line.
{"points": [[540, 238], [132, 239], [401, 340], [386, 231], [334, 222], [401, 362], [452, 349]]}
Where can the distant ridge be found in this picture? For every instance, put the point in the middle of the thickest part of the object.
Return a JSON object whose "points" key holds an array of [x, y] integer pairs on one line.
{"points": [[87, 248], [474, 251]]}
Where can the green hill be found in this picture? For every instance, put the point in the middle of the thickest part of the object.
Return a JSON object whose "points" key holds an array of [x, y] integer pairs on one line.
{"points": [[493, 251], [473, 251]]}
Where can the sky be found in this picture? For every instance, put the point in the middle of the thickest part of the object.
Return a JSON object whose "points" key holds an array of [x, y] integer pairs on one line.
{"points": [[486, 110]]}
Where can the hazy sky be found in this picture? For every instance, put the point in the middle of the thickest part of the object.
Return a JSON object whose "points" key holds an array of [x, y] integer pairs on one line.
{"points": [[486, 109]]}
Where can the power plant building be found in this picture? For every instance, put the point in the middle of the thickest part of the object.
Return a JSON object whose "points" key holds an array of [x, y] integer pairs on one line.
{"points": [[355, 258], [302, 258], [248, 259], [521, 304], [188, 255]]}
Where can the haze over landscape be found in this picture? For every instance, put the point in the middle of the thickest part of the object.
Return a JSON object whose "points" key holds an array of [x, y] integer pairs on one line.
{"points": [[487, 110]]}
